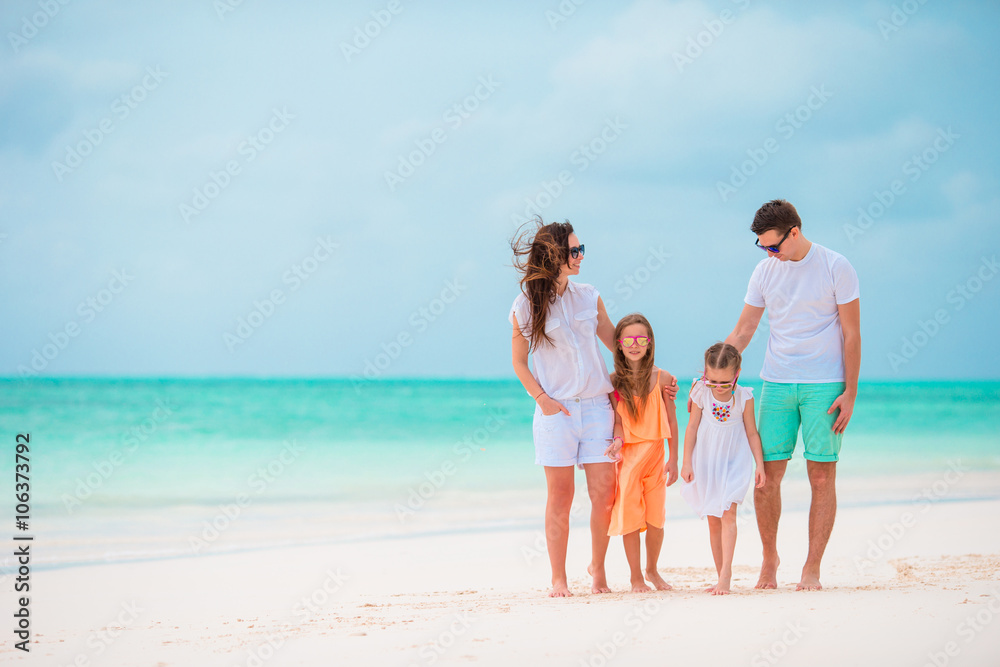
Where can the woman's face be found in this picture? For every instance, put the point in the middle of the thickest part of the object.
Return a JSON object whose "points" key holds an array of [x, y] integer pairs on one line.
{"points": [[572, 267]]}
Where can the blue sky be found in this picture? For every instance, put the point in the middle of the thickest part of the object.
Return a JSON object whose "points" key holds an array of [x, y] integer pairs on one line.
{"points": [[267, 191]]}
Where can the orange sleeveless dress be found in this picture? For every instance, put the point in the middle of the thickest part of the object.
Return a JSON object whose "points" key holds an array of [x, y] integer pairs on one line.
{"points": [[641, 495]]}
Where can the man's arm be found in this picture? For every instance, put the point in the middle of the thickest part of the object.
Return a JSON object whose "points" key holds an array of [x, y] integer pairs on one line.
{"points": [[850, 324], [741, 336], [745, 327]]}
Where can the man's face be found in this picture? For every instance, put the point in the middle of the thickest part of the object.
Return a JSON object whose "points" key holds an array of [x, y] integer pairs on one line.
{"points": [[786, 244]]}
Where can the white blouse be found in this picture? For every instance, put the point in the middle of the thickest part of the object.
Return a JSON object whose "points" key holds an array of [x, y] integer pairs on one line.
{"points": [[571, 366]]}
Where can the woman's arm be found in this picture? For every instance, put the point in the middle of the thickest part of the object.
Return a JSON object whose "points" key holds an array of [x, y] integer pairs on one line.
{"points": [[618, 437], [519, 348], [605, 327], [755, 446]]}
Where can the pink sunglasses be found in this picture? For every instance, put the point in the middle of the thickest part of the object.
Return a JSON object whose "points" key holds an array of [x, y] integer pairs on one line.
{"points": [[720, 385], [629, 341]]}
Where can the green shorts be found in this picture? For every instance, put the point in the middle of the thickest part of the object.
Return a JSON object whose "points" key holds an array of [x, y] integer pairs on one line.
{"points": [[784, 407]]}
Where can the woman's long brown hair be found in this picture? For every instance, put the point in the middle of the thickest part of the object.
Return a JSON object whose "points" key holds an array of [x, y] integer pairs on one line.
{"points": [[633, 385], [539, 254]]}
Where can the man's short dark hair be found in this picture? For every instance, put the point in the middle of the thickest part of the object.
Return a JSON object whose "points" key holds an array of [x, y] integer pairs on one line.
{"points": [[776, 214]]}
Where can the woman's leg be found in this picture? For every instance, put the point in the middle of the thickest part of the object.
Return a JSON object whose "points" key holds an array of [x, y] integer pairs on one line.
{"points": [[557, 507]]}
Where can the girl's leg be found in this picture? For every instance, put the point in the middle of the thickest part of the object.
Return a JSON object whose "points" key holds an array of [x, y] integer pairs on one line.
{"points": [[654, 542], [632, 554], [715, 537], [728, 548]]}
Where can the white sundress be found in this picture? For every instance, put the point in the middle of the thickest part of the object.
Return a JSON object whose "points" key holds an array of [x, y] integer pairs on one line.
{"points": [[722, 462]]}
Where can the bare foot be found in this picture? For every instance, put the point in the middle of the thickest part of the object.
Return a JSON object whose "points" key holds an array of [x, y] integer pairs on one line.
{"points": [[639, 586], [710, 589], [600, 579], [810, 581], [768, 574], [721, 588], [657, 581], [560, 590]]}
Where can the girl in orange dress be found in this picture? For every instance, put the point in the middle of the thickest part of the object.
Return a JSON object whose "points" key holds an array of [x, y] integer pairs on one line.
{"points": [[642, 420]]}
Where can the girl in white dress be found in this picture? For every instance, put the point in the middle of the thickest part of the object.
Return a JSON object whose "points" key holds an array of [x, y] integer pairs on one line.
{"points": [[721, 449]]}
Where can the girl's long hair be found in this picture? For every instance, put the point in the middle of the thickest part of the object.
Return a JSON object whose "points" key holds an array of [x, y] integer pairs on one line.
{"points": [[633, 385], [540, 251]]}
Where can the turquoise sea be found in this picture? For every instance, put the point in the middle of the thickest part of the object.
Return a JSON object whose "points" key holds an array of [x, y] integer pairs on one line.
{"points": [[140, 468]]}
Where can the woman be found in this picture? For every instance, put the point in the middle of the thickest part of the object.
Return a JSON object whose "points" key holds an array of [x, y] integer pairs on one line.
{"points": [[559, 322]]}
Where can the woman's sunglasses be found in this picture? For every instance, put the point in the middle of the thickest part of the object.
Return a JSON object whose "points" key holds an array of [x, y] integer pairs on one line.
{"points": [[629, 341], [576, 251]]}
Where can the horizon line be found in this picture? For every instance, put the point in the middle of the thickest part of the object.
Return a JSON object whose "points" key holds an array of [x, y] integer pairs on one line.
{"points": [[408, 378]]}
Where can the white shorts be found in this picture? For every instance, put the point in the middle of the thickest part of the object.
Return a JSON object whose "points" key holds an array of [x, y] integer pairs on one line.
{"points": [[580, 438]]}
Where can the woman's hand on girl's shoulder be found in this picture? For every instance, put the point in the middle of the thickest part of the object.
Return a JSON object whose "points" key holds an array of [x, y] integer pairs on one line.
{"points": [[668, 384]]}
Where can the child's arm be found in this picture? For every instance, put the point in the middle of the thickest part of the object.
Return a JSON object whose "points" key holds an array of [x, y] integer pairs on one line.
{"points": [[690, 402], [690, 439], [670, 390], [614, 449], [670, 468], [758, 455]]}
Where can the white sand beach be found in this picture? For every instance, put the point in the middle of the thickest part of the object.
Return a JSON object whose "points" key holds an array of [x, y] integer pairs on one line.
{"points": [[904, 585]]}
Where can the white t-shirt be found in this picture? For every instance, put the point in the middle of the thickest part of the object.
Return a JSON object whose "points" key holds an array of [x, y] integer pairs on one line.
{"points": [[806, 343], [571, 366]]}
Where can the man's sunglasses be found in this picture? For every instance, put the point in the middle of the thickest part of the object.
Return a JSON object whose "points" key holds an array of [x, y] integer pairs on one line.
{"points": [[774, 248], [576, 251]]}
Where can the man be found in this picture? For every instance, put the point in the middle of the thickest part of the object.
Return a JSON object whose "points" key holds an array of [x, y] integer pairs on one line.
{"points": [[810, 372]]}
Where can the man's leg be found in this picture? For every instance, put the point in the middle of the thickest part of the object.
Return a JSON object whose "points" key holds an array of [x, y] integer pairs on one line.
{"points": [[601, 487], [767, 501], [822, 511], [822, 450], [557, 507], [778, 423]]}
